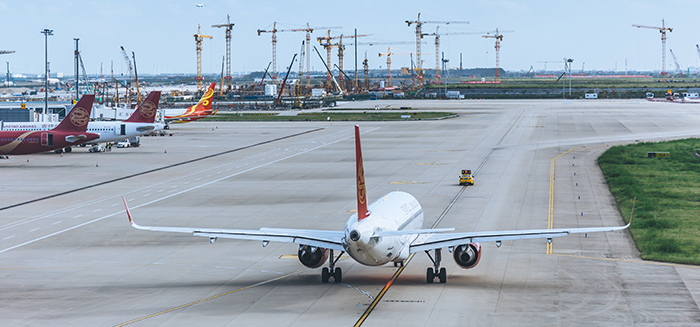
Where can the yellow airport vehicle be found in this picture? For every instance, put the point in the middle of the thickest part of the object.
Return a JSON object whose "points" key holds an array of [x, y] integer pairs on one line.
{"points": [[466, 178]]}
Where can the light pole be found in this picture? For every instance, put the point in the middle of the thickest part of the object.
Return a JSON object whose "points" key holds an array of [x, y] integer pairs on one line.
{"points": [[46, 33]]}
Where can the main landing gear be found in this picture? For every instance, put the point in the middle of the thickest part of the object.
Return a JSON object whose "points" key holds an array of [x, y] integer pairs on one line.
{"points": [[439, 273], [331, 270]]}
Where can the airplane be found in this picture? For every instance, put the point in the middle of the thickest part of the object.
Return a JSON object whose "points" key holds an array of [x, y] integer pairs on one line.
{"points": [[388, 230], [200, 110], [71, 131], [141, 122], [199, 5]]}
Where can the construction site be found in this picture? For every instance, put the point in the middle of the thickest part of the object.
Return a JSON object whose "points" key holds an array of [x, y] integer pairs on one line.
{"points": [[298, 86]]}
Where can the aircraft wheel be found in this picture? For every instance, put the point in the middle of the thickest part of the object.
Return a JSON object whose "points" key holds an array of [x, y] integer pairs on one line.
{"points": [[325, 275], [68, 149], [338, 275], [430, 276], [443, 275]]}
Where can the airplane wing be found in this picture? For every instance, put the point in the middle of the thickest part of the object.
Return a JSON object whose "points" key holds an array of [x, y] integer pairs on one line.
{"points": [[432, 241], [321, 238]]}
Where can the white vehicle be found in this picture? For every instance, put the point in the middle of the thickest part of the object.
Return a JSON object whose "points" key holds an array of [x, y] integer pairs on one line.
{"points": [[388, 230], [141, 122], [123, 144]]}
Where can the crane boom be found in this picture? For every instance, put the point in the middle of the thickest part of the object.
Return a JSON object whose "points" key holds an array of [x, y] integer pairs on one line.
{"points": [[675, 61]]}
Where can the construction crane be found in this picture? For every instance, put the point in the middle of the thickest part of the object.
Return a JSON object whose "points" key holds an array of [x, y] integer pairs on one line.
{"points": [[136, 78], [229, 27], [662, 30], [328, 46], [419, 35], [498, 37], [388, 55], [129, 67], [675, 61], [437, 48], [298, 88], [198, 41], [308, 31]]}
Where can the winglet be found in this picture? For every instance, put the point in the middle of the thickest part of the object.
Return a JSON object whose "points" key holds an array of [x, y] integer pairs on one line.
{"points": [[128, 213], [362, 211], [634, 201], [77, 119], [146, 110]]}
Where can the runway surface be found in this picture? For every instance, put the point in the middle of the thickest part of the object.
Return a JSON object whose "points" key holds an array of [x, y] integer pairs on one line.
{"points": [[69, 257]]}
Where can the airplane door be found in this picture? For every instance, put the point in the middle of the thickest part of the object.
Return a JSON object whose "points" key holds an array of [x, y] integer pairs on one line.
{"points": [[123, 129], [47, 139]]}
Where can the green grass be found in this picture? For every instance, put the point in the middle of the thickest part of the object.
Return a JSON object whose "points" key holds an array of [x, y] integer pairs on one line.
{"points": [[666, 224], [334, 116]]}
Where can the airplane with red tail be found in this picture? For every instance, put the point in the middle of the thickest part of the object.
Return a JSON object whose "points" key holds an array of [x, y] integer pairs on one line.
{"points": [[198, 111], [71, 131], [387, 230]]}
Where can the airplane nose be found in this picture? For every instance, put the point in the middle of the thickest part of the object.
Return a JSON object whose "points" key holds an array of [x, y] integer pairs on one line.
{"points": [[354, 235]]}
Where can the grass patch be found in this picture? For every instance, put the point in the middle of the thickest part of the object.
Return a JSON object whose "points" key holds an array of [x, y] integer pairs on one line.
{"points": [[334, 116], [666, 224]]}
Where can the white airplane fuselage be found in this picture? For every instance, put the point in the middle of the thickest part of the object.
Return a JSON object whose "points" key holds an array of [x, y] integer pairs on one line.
{"points": [[394, 211], [108, 131]]}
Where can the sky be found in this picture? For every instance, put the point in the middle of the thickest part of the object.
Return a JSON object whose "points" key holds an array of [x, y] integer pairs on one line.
{"points": [[598, 35]]}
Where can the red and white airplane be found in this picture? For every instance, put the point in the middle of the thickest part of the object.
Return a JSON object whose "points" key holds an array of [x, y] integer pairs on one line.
{"points": [[71, 131], [388, 230], [200, 110]]}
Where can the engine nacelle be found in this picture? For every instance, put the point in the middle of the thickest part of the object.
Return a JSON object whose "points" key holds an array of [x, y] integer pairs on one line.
{"points": [[312, 256], [467, 256]]}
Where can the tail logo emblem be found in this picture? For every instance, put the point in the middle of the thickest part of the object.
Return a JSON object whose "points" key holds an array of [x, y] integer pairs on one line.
{"points": [[79, 116], [148, 109], [361, 192]]}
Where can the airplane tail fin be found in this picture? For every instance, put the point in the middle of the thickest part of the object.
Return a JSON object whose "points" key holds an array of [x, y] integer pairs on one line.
{"points": [[362, 211], [146, 110], [77, 119], [204, 103]]}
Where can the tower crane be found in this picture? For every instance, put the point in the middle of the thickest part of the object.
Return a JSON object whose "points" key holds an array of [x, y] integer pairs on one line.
{"points": [[229, 27], [365, 66], [419, 35], [308, 31], [498, 37], [388, 54], [198, 41], [340, 47], [437, 47], [662, 30], [675, 61]]}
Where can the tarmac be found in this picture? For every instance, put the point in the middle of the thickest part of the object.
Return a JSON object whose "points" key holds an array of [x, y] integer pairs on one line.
{"points": [[69, 257]]}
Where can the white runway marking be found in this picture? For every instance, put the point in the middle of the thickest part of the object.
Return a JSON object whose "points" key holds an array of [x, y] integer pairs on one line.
{"points": [[58, 222], [147, 194], [35, 229], [9, 237], [180, 192], [78, 216], [96, 210]]}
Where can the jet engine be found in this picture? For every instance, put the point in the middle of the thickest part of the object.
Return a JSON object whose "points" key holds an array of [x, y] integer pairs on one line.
{"points": [[467, 256], [312, 256]]}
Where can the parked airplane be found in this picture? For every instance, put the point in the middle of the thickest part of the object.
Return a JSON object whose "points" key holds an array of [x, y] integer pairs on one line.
{"points": [[141, 122], [200, 110], [71, 131], [388, 230]]}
